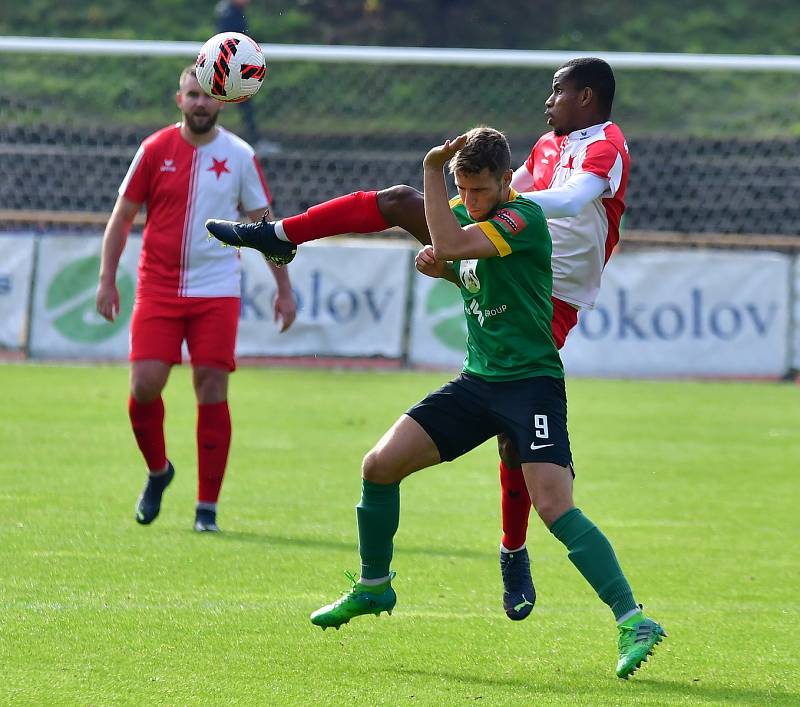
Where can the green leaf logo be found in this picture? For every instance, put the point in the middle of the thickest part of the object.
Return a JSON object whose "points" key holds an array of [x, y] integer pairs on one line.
{"points": [[445, 305], [71, 302]]}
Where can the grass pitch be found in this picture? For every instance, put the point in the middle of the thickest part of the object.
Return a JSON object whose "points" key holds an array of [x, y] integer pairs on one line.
{"points": [[694, 483]]}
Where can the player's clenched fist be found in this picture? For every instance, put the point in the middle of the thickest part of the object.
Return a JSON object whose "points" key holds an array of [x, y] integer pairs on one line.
{"points": [[108, 301], [428, 264], [438, 157]]}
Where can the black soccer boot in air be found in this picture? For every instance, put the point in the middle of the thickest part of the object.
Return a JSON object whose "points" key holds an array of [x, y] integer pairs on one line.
{"points": [[259, 235]]}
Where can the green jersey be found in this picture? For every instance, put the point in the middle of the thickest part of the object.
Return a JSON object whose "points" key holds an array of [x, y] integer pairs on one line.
{"points": [[507, 299]]}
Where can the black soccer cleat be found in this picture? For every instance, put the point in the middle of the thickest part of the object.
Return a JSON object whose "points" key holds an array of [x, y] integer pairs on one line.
{"points": [[205, 521], [149, 502], [259, 235], [519, 595]]}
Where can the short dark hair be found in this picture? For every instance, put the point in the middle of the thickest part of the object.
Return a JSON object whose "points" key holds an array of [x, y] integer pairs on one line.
{"points": [[485, 148], [597, 75]]}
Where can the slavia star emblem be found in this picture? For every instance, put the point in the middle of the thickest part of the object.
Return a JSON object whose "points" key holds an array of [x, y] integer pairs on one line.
{"points": [[219, 167]]}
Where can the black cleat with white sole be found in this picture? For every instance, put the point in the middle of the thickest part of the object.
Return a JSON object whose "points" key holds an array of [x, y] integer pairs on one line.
{"points": [[259, 236], [148, 504], [519, 595], [205, 521]]}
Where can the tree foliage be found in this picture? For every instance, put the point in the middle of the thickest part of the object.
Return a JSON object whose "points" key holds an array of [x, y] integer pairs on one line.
{"points": [[647, 102], [735, 26]]}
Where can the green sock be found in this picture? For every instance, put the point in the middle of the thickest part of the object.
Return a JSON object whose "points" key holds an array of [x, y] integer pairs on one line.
{"points": [[592, 554], [378, 516]]}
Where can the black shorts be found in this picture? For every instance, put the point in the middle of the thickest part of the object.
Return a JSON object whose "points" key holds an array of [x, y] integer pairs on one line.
{"points": [[468, 410]]}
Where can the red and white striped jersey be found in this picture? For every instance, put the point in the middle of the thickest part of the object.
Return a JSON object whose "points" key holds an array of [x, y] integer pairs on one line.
{"points": [[184, 185], [582, 244]]}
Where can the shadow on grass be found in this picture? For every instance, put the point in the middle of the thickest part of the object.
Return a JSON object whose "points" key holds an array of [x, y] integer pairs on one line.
{"points": [[722, 695], [268, 539], [725, 695]]}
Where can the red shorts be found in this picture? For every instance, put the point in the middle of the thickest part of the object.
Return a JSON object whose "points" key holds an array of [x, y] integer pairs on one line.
{"points": [[159, 327], [565, 316]]}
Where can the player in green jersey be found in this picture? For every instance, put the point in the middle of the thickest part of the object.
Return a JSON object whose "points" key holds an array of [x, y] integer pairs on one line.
{"points": [[512, 382], [586, 200]]}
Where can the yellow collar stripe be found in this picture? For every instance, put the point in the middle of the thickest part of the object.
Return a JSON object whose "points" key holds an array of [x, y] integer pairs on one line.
{"points": [[495, 237]]}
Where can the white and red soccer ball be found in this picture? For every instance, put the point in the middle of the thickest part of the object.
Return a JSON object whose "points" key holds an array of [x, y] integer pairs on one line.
{"points": [[230, 67]]}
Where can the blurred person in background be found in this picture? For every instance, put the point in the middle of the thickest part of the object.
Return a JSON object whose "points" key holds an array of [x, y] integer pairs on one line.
{"points": [[188, 289], [578, 174], [230, 17]]}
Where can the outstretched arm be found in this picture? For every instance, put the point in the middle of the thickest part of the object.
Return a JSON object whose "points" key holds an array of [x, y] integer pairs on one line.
{"points": [[568, 200]]}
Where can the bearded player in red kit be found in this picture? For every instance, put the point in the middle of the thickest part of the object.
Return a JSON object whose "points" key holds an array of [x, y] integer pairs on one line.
{"points": [[188, 288]]}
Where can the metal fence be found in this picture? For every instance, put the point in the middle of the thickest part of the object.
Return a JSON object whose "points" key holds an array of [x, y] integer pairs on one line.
{"points": [[706, 159]]}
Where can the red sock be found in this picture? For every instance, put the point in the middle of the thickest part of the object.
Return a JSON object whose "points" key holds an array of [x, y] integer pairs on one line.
{"points": [[213, 443], [353, 213], [516, 506], [147, 421]]}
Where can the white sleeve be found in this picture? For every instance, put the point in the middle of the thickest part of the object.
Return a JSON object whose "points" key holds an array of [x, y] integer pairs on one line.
{"points": [[522, 180], [571, 198], [254, 191]]}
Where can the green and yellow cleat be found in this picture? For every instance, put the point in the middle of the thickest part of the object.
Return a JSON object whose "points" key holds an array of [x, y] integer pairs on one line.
{"points": [[638, 637], [359, 600]]}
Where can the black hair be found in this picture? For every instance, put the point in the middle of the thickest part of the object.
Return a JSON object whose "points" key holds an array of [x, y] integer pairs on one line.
{"points": [[597, 75]]}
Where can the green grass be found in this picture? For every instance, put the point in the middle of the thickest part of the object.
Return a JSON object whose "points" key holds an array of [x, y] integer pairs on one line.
{"points": [[694, 483]]}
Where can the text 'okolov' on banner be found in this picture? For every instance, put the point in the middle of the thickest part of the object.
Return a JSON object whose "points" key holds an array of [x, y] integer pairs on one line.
{"points": [[670, 313], [660, 313], [351, 297], [351, 301], [673, 313]]}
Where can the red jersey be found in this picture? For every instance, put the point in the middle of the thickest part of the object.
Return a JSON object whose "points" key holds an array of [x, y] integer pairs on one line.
{"points": [[582, 244], [184, 185]]}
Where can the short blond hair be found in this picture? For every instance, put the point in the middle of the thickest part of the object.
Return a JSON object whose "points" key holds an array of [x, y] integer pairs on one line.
{"points": [[190, 70]]}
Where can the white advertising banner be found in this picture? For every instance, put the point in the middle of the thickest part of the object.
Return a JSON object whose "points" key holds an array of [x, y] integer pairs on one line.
{"points": [[16, 266], [351, 299], [796, 317], [65, 322], [671, 313], [686, 313], [438, 327], [663, 313]]}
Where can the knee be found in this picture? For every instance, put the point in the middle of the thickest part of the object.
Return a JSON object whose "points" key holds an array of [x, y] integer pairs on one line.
{"points": [[375, 468], [397, 200], [551, 509], [211, 385], [508, 451], [145, 389]]}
